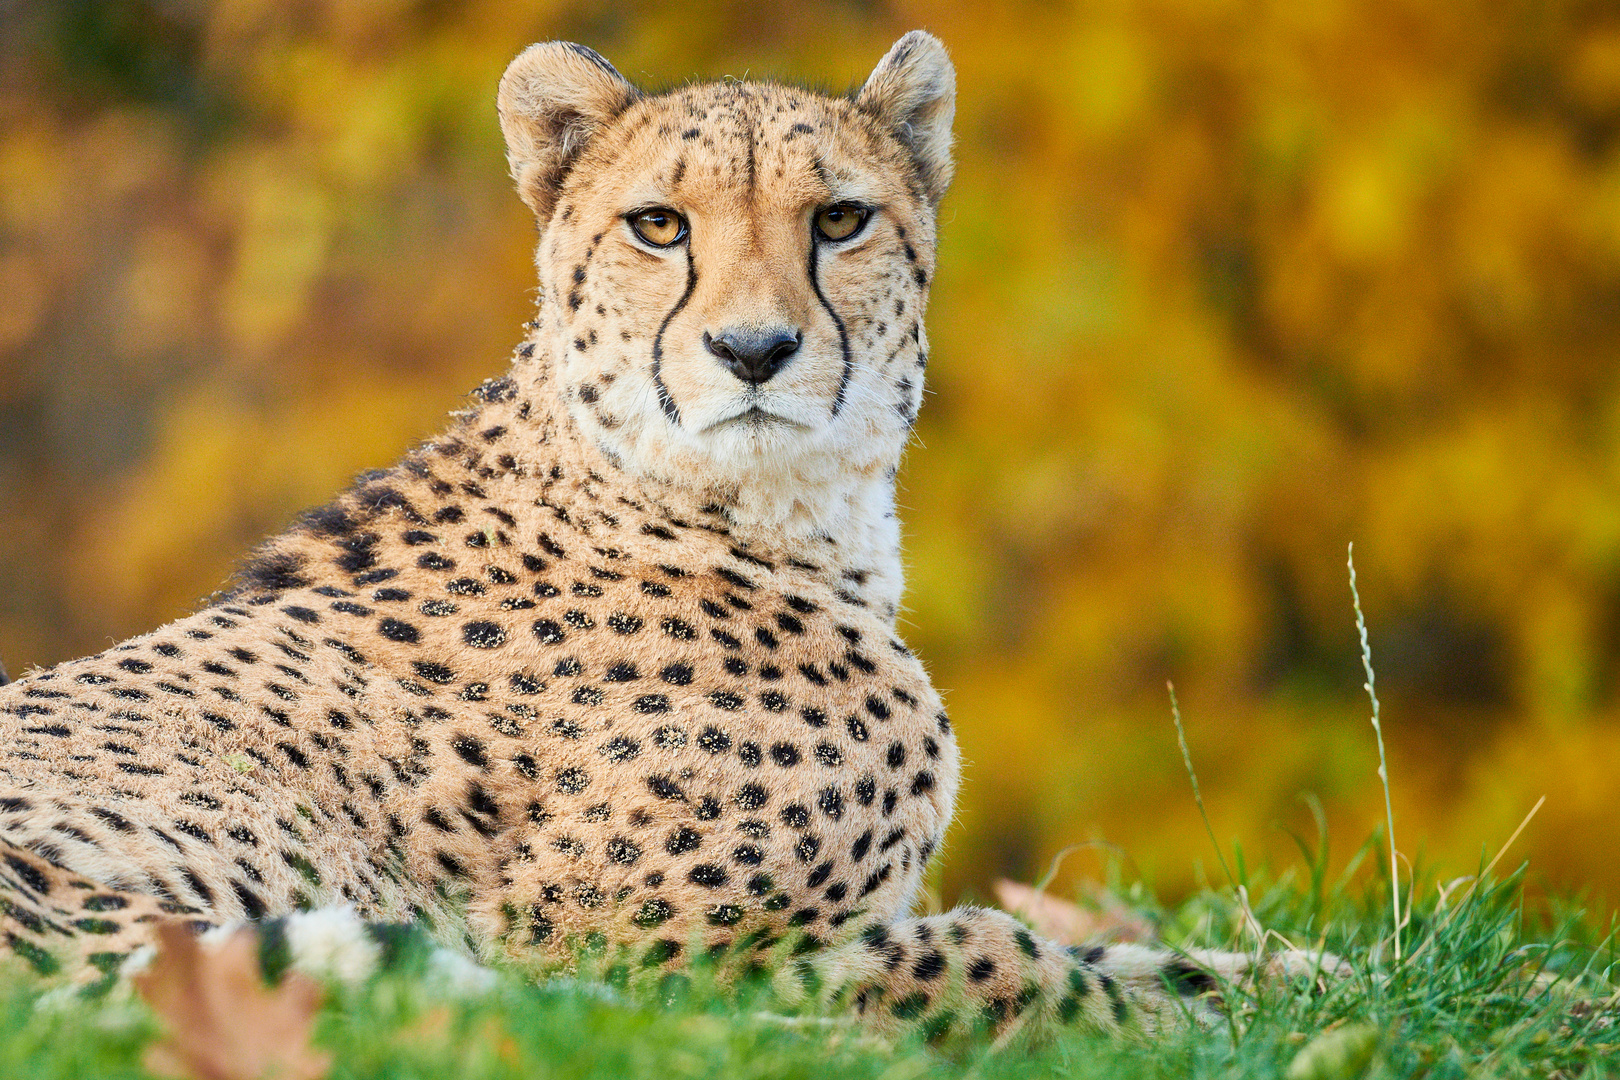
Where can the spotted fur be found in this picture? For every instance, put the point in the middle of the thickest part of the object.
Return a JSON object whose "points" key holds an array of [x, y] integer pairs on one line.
{"points": [[614, 657]]}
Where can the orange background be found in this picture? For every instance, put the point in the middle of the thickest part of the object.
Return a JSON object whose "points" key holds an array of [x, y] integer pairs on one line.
{"points": [[1224, 286]]}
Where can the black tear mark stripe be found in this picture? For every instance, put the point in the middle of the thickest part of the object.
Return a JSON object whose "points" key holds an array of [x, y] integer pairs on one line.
{"points": [[843, 334], [664, 397]]}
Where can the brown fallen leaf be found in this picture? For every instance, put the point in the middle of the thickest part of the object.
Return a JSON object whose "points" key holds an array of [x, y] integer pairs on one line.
{"points": [[223, 1022], [1070, 924]]}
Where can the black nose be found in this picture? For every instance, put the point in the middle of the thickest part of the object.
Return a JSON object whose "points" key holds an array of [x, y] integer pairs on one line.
{"points": [[753, 355]]}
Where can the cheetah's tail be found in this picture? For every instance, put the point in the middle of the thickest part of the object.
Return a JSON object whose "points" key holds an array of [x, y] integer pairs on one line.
{"points": [[976, 969], [980, 969]]}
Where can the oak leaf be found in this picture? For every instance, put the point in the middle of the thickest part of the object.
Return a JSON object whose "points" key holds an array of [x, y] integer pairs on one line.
{"points": [[1069, 923], [223, 1022]]}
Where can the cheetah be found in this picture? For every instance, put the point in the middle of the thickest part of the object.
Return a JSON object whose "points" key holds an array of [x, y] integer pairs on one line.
{"points": [[614, 657]]}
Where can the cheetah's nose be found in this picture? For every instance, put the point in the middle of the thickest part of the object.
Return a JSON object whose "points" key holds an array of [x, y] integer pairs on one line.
{"points": [[753, 355]]}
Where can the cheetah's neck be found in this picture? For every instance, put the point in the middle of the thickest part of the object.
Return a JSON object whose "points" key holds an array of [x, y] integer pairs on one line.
{"points": [[843, 522]]}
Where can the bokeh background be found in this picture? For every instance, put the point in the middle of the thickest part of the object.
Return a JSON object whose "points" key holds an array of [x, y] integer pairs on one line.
{"points": [[1225, 284]]}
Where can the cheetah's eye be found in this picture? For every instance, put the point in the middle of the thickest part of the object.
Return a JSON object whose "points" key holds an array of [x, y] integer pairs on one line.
{"points": [[659, 226], [840, 221]]}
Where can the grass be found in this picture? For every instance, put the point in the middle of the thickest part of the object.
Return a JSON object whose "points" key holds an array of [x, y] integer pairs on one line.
{"points": [[1468, 979], [1488, 987]]}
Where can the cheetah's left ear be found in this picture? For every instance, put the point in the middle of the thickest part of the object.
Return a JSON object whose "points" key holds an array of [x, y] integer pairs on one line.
{"points": [[913, 90]]}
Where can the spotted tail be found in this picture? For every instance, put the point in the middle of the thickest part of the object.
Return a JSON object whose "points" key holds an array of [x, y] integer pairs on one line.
{"points": [[981, 969]]}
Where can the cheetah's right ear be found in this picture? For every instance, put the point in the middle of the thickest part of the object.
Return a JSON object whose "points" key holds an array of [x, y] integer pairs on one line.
{"points": [[553, 98], [913, 91]]}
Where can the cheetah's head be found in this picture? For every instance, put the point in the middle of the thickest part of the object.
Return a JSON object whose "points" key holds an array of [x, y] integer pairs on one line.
{"points": [[733, 275]]}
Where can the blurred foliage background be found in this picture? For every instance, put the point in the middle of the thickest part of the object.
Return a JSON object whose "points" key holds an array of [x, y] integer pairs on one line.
{"points": [[1224, 285]]}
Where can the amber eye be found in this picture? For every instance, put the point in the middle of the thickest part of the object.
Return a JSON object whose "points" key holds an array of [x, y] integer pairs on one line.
{"points": [[840, 221], [660, 226]]}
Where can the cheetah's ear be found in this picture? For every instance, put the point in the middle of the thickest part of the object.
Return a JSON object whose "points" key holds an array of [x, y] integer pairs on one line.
{"points": [[913, 90], [554, 97]]}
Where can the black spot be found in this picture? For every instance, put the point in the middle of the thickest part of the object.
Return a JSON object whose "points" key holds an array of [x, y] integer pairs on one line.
{"points": [[654, 912], [929, 966], [620, 748], [471, 750], [621, 623], [1187, 979], [572, 781], [276, 572], [623, 851], [665, 788], [395, 630], [683, 840], [437, 673], [31, 876], [713, 740], [707, 875], [735, 578]]}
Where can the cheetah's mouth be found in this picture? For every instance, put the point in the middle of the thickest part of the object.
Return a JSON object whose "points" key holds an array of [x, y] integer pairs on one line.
{"points": [[756, 418]]}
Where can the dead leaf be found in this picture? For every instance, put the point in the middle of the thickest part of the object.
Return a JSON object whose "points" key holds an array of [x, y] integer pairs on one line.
{"points": [[1069, 923], [224, 1023]]}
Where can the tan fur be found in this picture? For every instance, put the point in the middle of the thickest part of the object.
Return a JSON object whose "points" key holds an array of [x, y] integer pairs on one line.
{"points": [[611, 656]]}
